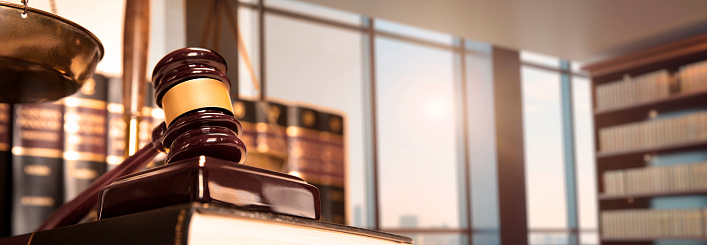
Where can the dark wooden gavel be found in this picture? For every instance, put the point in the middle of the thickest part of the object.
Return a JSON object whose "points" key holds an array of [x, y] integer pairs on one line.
{"points": [[205, 154]]}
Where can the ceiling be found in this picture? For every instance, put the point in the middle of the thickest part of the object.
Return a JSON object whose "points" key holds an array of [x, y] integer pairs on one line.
{"points": [[580, 30]]}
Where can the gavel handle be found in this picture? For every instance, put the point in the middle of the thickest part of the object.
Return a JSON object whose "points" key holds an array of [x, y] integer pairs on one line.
{"points": [[72, 212]]}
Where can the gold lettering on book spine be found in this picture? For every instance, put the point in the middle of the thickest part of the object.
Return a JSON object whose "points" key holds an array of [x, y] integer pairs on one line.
{"points": [[39, 201], [37, 170], [84, 173], [37, 152]]}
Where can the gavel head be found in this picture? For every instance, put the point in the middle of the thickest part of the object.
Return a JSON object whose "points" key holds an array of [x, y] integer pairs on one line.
{"points": [[192, 88]]}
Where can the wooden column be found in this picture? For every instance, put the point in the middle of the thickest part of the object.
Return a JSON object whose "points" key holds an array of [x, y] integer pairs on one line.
{"points": [[509, 147]]}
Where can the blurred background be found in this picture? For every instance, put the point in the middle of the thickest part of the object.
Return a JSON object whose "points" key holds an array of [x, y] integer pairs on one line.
{"points": [[465, 122]]}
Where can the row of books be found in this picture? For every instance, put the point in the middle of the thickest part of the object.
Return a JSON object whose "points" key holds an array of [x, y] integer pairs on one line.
{"points": [[684, 177], [654, 223], [633, 90], [309, 140], [693, 77], [59, 148], [651, 86], [654, 133]]}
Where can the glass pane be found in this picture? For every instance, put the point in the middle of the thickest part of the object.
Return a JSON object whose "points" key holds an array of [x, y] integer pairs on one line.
{"points": [[321, 65], [167, 32], [482, 137], [438, 239], [539, 59], [415, 32], [416, 135], [584, 152], [309, 9], [199, 33], [248, 24], [589, 238], [544, 149], [491, 238], [548, 238]]}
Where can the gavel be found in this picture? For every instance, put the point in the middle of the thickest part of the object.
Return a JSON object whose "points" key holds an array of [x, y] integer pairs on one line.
{"points": [[205, 154]]}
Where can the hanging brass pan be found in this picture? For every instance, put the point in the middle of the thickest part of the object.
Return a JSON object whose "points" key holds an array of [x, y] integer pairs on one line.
{"points": [[43, 57]]}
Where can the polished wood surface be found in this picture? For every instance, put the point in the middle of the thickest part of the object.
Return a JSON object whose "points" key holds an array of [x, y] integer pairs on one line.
{"points": [[651, 58], [205, 154], [210, 180]]}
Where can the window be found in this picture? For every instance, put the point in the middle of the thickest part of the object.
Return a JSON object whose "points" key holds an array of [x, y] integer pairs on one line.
{"points": [[304, 59], [560, 168], [416, 136]]}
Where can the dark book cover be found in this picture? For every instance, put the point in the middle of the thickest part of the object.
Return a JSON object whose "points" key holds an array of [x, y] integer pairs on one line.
{"points": [[244, 111], [85, 114], [316, 154], [5, 170], [330, 177], [115, 140], [37, 149], [152, 115], [304, 146], [264, 133], [182, 224]]}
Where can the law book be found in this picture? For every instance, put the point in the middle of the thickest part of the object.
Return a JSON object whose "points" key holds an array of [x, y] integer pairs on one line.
{"points": [[316, 156], [37, 150], [264, 132], [152, 116], [330, 179], [244, 111], [196, 224], [115, 139], [5, 170], [85, 114]]}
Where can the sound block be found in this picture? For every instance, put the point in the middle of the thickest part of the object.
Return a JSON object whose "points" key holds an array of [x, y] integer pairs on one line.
{"points": [[209, 180]]}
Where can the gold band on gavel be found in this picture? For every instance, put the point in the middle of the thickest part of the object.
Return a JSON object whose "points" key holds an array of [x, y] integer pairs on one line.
{"points": [[194, 94]]}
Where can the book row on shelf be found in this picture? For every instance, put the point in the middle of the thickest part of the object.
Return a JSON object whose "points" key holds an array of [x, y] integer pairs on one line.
{"points": [[693, 76], [58, 148], [651, 86], [654, 223], [654, 133], [633, 90], [658, 179]]}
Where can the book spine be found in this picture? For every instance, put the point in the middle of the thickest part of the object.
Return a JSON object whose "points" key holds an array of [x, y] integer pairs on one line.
{"points": [[244, 111], [166, 226], [304, 158], [37, 151], [331, 176], [5, 170], [272, 129], [152, 116], [264, 133], [84, 155], [115, 140]]}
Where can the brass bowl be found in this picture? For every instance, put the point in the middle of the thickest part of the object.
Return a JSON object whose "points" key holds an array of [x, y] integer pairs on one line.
{"points": [[43, 57]]}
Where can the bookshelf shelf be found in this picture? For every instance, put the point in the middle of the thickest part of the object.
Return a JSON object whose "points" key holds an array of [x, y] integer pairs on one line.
{"points": [[642, 100], [605, 197]]}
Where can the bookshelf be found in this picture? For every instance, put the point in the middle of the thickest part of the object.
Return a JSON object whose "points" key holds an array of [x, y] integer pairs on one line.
{"points": [[650, 106]]}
